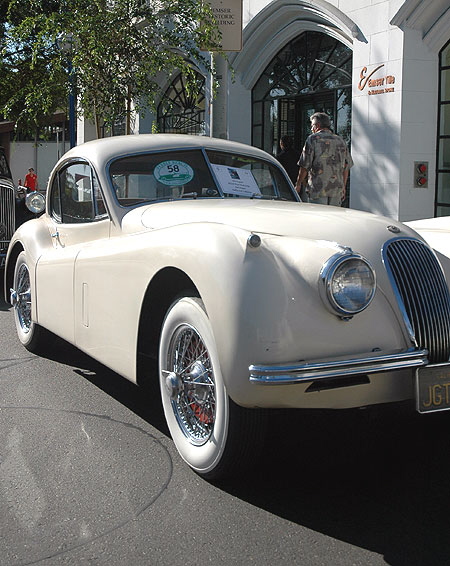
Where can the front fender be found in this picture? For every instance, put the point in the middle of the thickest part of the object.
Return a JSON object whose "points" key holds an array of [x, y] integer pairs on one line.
{"points": [[265, 307], [32, 236]]}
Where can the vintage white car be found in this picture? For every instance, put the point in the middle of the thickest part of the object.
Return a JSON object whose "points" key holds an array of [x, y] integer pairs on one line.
{"points": [[198, 252]]}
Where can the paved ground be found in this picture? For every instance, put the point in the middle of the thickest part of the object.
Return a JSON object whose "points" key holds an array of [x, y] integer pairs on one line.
{"points": [[88, 475]]}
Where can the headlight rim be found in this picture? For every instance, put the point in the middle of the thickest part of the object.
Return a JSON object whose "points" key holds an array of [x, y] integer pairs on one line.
{"points": [[33, 196], [326, 278]]}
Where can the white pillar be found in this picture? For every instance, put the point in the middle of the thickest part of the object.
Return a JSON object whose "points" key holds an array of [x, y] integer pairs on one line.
{"points": [[220, 101], [86, 131]]}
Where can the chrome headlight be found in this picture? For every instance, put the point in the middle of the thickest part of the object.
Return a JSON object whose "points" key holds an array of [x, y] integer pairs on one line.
{"points": [[35, 202], [347, 284]]}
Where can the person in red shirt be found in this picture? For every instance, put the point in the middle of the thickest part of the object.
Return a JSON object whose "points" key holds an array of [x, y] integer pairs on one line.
{"points": [[30, 180]]}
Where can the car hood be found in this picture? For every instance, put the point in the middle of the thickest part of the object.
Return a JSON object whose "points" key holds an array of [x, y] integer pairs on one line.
{"points": [[436, 231], [317, 222]]}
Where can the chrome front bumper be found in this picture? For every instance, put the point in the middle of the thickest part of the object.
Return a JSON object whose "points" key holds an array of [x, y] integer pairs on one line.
{"points": [[285, 374]]}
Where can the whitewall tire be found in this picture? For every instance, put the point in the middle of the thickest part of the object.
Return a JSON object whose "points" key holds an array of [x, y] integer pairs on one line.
{"points": [[31, 335], [208, 429]]}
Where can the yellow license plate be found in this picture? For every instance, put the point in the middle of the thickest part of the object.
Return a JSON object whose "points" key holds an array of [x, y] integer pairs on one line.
{"points": [[433, 388]]}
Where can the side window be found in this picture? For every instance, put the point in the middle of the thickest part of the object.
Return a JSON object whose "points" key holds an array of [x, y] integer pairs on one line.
{"points": [[76, 195], [75, 187]]}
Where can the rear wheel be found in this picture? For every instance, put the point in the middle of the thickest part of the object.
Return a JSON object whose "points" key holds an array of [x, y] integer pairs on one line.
{"points": [[32, 336], [212, 434]]}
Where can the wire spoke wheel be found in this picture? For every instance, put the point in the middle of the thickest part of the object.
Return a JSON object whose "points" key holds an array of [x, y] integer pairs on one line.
{"points": [[23, 301], [215, 436], [35, 338], [194, 404]]}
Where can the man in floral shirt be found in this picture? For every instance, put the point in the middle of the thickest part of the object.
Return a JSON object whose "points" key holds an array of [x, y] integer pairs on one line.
{"points": [[326, 161]]}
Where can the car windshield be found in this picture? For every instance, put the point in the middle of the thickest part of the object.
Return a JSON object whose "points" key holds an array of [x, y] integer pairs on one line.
{"points": [[4, 167], [196, 174]]}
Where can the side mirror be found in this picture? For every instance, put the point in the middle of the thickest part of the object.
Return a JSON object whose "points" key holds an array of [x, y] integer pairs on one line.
{"points": [[35, 202]]}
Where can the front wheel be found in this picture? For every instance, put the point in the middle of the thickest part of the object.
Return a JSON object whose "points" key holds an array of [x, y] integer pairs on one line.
{"points": [[32, 336], [212, 434]]}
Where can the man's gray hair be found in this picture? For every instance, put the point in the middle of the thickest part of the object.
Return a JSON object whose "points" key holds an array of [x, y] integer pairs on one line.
{"points": [[322, 119]]}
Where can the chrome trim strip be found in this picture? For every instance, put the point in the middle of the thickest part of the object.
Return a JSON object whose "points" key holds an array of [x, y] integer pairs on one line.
{"points": [[308, 372]]}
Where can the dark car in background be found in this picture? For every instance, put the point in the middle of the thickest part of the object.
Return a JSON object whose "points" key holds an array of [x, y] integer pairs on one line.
{"points": [[16, 207]]}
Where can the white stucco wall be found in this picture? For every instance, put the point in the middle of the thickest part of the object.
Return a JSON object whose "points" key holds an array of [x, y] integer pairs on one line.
{"points": [[42, 158], [391, 131], [419, 125], [376, 119]]}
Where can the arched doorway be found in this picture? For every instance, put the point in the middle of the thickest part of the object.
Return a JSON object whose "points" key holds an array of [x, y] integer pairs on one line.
{"points": [[311, 73], [182, 108]]}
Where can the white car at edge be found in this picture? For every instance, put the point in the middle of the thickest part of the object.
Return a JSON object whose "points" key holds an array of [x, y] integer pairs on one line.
{"points": [[197, 252]]}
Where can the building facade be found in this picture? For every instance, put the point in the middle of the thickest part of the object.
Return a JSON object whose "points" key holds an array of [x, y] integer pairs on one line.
{"points": [[380, 68]]}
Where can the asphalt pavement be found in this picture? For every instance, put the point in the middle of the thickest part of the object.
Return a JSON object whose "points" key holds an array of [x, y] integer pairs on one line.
{"points": [[89, 476]]}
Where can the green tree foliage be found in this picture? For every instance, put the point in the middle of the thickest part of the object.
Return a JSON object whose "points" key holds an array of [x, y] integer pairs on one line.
{"points": [[117, 50]]}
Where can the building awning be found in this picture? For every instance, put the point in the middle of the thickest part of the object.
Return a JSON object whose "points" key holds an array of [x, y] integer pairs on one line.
{"points": [[6, 126]]}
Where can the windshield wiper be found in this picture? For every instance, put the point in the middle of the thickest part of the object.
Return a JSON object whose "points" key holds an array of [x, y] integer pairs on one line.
{"points": [[266, 197]]}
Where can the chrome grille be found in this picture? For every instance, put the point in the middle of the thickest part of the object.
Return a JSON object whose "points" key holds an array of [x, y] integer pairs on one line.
{"points": [[7, 215], [423, 295]]}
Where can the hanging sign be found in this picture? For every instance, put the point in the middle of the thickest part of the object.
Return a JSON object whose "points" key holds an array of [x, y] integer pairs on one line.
{"points": [[228, 14]]}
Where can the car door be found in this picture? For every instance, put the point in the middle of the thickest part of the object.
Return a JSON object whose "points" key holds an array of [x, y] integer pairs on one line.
{"points": [[77, 218]]}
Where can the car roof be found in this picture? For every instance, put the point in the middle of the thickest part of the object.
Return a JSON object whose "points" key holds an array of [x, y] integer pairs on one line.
{"points": [[106, 149]]}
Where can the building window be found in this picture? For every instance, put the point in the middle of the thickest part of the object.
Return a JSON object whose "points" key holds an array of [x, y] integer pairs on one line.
{"points": [[311, 73], [53, 131], [443, 149], [182, 109]]}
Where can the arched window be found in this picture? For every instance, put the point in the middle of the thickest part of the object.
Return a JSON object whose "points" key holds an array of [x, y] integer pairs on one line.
{"points": [[311, 73], [182, 109], [443, 150]]}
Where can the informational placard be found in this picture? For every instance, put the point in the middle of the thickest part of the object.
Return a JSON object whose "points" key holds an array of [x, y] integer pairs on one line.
{"points": [[236, 181], [228, 14], [173, 173]]}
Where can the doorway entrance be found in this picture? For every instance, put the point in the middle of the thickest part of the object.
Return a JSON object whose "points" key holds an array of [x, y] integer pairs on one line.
{"points": [[312, 73], [294, 115]]}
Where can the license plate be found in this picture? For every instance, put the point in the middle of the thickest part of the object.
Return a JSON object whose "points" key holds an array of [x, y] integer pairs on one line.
{"points": [[433, 388]]}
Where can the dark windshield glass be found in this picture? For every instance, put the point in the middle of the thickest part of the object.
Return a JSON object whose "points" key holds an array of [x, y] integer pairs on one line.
{"points": [[4, 167], [162, 176], [186, 174], [244, 176]]}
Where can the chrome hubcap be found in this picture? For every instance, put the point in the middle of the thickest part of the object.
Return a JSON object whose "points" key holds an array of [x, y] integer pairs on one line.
{"points": [[173, 385]]}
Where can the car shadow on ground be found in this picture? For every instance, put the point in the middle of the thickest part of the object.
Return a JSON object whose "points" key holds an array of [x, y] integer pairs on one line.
{"points": [[376, 478]]}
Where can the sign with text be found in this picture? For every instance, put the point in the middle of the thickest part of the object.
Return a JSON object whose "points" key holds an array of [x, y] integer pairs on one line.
{"points": [[234, 181], [228, 14], [376, 81]]}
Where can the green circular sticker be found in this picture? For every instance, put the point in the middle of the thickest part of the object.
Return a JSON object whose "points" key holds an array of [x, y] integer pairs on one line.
{"points": [[173, 173]]}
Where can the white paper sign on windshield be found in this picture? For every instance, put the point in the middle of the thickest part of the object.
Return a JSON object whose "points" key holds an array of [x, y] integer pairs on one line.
{"points": [[236, 181]]}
